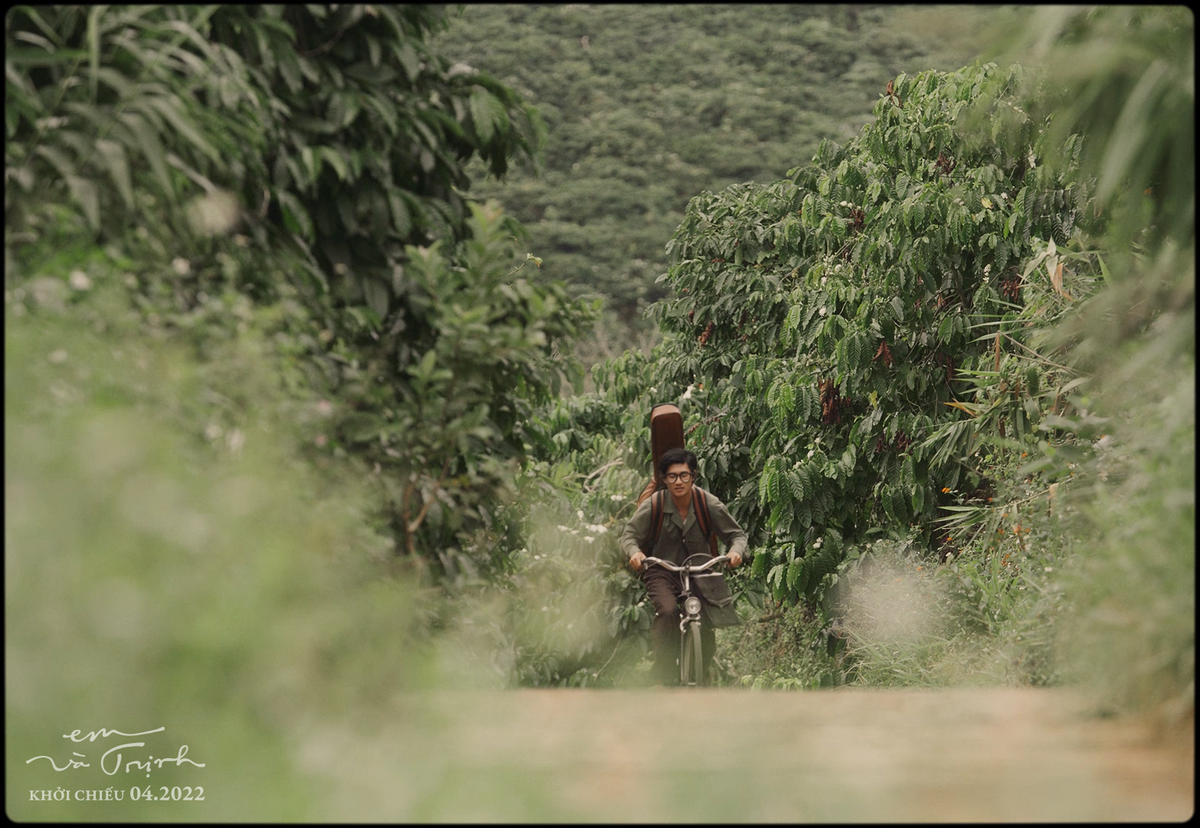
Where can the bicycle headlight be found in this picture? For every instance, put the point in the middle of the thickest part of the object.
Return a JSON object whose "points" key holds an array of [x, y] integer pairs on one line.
{"points": [[691, 605]]}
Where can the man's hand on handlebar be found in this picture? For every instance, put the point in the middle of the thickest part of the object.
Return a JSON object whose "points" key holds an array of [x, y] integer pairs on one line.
{"points": [[735, 559], [636, 560]]}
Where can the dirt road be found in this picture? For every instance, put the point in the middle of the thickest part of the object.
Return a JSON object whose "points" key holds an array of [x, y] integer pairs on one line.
{"points": [[995, 755]]}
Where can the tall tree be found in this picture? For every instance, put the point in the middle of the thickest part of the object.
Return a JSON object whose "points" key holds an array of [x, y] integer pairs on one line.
{"points": [[333, 139]]}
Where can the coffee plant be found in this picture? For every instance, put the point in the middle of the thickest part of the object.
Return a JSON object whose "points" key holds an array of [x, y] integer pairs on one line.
{"points": [[858, 332]]}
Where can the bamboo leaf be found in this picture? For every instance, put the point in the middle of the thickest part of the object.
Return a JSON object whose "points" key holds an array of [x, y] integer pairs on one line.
{"points": [[93, 42], [85, 192], [168, 108], [115, 160], [147, 140], [48, 30], [971, 411], [63, 165]]}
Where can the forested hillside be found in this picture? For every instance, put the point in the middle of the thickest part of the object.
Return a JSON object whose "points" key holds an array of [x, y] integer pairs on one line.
{"points": [[647, 106]]}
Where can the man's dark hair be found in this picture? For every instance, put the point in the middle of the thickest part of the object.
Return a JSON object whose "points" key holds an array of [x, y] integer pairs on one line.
{"points": [[673, 456]]}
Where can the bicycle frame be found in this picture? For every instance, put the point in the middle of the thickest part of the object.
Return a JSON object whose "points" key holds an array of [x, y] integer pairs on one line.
{"points": [[691, 654]]}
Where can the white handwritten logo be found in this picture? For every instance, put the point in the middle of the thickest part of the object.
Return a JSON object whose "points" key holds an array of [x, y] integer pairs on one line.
{"points": [[115, 764]]}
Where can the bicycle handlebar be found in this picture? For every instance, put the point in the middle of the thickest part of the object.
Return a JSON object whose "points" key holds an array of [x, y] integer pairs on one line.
{"points": [[711, 562]]}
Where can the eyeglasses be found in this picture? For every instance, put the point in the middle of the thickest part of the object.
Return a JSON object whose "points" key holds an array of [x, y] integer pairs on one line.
{"points": [[682, 477]]}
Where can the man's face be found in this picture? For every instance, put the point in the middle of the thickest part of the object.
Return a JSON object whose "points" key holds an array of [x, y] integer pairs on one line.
{"points": [[679, 479]]}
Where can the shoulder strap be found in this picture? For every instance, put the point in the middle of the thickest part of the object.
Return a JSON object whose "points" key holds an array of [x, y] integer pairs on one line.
{"points": [[649, 489], [702, 515], [656, 518], [704, 518]]}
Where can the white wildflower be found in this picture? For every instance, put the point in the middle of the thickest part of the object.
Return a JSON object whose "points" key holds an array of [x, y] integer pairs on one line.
{"points": [[79, 280], [182, 266], [589, 538], [821, 311]]}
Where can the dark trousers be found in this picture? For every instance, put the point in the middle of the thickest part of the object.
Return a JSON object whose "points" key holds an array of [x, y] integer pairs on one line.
{"points": [[664, 588]]}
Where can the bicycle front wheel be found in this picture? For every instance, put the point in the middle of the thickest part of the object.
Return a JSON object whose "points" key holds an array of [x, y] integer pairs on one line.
{"points": [[691, 657]]}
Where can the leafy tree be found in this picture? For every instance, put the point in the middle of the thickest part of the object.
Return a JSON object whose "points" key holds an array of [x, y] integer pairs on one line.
{"points": [[856, 332], [310, 157]]}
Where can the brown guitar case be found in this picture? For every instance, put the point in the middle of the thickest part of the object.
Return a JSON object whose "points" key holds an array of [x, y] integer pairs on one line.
{"points": [[666, 433]]}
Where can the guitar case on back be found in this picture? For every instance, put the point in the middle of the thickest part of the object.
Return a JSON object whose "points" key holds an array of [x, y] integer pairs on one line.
{"points": [[666, 433]]}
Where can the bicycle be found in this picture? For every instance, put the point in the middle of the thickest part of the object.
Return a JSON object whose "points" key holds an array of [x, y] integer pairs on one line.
{"points": [[691, 648]]}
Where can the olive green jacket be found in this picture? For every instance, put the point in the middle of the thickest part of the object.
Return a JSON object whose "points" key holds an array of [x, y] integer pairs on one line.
{"points": [[677, 535]]}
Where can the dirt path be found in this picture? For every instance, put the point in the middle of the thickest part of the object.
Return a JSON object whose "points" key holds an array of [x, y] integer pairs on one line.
{"points": [[996, 755]]}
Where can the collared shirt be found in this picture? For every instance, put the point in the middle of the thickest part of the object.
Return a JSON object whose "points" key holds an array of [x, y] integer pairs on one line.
{"points": [[680, 534]]}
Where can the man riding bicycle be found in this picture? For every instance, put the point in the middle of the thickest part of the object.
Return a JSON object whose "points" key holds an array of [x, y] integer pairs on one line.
{"points": [[680, 537]]}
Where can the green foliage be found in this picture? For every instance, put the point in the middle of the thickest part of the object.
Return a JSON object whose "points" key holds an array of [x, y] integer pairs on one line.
{"points": [[646, 106], [310, 160], [1121, 74], [450, 439], [337, 123], [1082, 569], [843, 322], [788, 649], [167, 569], [901, 346], [956, 350], [1130, 634]]}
